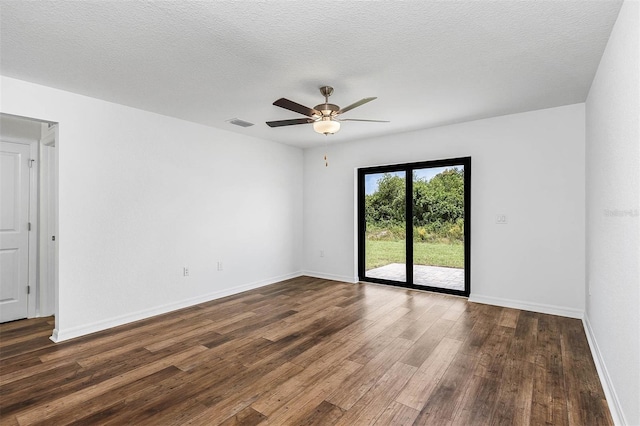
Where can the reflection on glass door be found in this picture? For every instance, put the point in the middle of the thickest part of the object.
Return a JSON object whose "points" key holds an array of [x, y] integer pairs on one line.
{"points": [[438, 227], [414, 225], [385, 222]]}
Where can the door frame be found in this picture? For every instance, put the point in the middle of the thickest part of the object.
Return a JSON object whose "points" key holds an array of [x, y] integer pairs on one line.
{"points": [[408, 168], [42, 299], [48, 203]]}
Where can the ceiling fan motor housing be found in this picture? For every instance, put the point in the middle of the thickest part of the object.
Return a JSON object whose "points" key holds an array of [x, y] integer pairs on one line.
{"points": [[327, 109]]}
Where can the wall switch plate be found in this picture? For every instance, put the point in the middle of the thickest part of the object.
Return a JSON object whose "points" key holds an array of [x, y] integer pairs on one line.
{"points": [[219, 266], [501, 219], [321, 253], [185, 271]]}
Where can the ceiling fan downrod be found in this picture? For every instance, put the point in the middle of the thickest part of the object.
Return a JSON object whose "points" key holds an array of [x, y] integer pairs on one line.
{"points": [[327, 109]]}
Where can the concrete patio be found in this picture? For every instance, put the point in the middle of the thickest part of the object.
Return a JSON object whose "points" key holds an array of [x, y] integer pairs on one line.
{"points": [[432, 276]]}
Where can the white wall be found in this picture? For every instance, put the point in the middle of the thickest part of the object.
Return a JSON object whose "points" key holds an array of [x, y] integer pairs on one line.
{"points": [[142, 195], [613, 230], [528, 166]]}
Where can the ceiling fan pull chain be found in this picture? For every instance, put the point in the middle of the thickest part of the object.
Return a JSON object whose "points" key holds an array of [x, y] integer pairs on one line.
{"points": [[326, 162]]}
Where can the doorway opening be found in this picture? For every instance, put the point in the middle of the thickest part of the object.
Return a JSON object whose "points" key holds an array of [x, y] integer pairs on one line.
{"points": [[28, 218], [414, 225]]}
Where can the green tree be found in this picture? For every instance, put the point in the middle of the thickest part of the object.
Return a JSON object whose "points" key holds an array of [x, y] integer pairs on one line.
{"points": [[387, 204], [440, 200], [438, 206]]}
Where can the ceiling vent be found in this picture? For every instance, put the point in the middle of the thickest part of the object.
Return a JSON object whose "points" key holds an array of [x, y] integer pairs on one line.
{"points": [[239, 122]]}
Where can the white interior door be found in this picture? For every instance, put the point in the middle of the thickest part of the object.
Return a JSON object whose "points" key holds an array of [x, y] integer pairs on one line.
{"points": [[14, 230]]}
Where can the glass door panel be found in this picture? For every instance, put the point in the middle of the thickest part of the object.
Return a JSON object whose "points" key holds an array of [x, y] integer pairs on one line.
{"points": [[438, 227], [385, 226]]}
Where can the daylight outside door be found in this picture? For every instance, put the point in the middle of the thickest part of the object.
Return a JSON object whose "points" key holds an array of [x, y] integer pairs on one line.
{"points": [[385, 225], [438, 227], [414, 225]]}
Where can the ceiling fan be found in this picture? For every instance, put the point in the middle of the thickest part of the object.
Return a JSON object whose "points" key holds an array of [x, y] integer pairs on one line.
{"points": [[323, 116]]}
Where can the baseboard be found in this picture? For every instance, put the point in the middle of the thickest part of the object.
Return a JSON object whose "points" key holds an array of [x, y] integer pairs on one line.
{"points": [[609, 391], [333, 277], [528, 306], [54, 335], [73, 332]]}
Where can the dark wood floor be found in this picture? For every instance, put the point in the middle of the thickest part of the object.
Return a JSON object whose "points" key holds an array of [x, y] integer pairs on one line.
{"points": [[304, 352]]}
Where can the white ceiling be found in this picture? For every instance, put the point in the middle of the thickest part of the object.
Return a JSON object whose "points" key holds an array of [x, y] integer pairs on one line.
{"points": [[429, 63]]}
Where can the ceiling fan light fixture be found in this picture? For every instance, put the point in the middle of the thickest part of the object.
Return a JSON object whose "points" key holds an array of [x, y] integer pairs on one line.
{"points": [[326, 126]]}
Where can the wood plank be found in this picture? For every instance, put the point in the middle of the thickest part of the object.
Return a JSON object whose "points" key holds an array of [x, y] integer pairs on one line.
{"points": [[31, 345], [398, 415], [324, 414], [240, 394], [248, 416], [423, 347], [318, 370], [549, 404], [586, 403], [32, 415], [514, 397], [509, 317], [171, 337], [445, 399], [362, 381], [424, 322], [420, 387], [98, 409], [525, 337], [493, 352], [455, 311], [371, 406], [304, 404], [462, 327]]}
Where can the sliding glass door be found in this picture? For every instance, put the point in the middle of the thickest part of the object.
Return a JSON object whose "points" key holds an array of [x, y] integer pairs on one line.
{"points": [[414, 225], [386, 225]]}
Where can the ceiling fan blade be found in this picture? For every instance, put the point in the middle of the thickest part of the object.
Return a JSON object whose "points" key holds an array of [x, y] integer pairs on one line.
{"points": [[291, 122], [296, 107], [358, 119], [356, 104]]}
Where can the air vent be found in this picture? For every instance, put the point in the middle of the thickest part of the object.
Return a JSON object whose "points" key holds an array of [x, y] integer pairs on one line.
{"points": [[239, 122]]}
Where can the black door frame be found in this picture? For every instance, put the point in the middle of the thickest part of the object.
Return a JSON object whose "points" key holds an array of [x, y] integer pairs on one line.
{"points": [[408, 168]]}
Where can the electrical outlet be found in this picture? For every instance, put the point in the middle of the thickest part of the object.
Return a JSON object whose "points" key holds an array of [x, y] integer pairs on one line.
{"points": [[185, 271], [321, 253], [219, 266], [501, 219]]}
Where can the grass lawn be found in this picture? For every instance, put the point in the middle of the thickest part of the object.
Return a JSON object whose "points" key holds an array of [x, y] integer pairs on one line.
{"points": [[380, 253]]}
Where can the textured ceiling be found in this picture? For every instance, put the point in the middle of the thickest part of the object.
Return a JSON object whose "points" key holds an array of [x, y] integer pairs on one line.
{"points": [[429, 63]]}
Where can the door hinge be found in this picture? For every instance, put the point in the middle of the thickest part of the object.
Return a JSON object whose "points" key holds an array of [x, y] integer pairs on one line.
{"points": [[28, 289], [29, 226]]}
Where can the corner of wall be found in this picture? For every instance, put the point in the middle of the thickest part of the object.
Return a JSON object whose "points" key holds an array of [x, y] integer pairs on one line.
{"points": [[603, 374]]}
